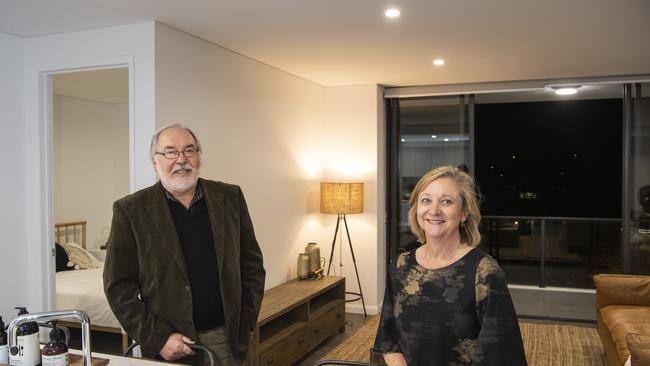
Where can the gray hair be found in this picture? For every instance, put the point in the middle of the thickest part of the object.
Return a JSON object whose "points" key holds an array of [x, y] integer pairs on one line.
{"points": [[154, 138]]}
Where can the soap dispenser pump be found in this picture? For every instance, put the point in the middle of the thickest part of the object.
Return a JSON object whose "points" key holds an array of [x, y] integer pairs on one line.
{"points": [[55, 352], [27, 351], [4, 347]]}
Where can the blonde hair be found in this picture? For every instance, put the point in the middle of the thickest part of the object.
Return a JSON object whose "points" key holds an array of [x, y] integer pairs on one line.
{"points": [[469, 234]]}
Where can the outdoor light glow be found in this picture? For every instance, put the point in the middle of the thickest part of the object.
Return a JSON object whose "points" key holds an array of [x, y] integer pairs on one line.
{"points": [[392, 13], [433, 136], [438, 62], [446, 139], [403, 140]]}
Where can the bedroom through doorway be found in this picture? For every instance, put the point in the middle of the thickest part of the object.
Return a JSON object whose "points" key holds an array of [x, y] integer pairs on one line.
{"points": [[90, 170]]}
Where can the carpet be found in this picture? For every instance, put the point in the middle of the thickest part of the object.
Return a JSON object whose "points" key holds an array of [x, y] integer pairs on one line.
{"points": [[545, 344]]}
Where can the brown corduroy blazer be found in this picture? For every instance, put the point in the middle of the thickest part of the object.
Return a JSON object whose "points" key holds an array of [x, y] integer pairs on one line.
{"points": [[145, 275]]}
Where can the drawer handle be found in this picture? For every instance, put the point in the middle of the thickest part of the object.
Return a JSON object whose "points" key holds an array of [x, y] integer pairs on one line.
{"points": [[269, 360], [301, 339]]}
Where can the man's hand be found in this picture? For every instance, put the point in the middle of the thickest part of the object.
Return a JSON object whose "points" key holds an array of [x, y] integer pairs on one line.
{"points": [[176, 347]]}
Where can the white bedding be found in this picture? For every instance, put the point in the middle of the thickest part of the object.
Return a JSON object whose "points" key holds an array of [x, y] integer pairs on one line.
{"points": [[84, 290]]}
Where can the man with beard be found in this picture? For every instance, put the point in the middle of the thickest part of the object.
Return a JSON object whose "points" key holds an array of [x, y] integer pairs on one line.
{"points": [[182, 262]]}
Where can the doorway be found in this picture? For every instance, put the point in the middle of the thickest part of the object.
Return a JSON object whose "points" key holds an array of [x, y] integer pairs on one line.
{"points": [[91, 148], [90, 170]]}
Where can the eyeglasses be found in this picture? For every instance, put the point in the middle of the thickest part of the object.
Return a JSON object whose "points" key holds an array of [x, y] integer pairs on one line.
{"points": [[173, 154]]}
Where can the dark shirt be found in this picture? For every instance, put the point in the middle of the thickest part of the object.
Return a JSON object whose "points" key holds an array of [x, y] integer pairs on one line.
{"points": [[193, 228], [461, 314]]}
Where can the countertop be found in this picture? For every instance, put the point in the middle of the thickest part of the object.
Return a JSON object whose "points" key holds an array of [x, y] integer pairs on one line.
{"points": [[126, 361]]}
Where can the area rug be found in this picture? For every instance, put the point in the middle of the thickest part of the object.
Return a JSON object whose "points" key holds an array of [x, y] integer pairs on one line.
{"points": [[545, 344]]}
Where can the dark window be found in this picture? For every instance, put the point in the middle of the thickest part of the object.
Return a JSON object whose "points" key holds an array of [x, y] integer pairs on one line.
{"points": [[559, 159]]}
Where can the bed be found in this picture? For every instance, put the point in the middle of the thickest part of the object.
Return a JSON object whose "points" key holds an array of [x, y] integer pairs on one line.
{"points": [[83, 289]]}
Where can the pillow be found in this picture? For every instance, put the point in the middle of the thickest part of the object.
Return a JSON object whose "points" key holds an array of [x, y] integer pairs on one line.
{"points": [[639, 346], [80, 257], [61, 259]]}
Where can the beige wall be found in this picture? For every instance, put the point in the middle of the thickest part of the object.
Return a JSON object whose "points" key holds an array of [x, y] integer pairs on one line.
{"points": [[91, 162], [277, 136]]}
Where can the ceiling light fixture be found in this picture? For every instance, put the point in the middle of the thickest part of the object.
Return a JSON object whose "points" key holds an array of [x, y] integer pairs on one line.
{"points": [[438, 62], [566, 90], [392, 13]]}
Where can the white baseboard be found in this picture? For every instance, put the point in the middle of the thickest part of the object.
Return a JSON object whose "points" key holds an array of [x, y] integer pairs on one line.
{"points": [[358, 309]]}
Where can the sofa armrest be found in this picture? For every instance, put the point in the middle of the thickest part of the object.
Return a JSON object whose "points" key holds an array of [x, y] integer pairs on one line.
{"points": [[615, 289]]}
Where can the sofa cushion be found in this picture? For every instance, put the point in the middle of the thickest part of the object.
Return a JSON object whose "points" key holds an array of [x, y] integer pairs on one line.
{"points": [[615, 289], [622, 320], [639, 346]]}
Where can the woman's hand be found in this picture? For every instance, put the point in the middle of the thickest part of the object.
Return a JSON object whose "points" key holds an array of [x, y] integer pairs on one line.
{"points": [[176, 347], [395, 359]]}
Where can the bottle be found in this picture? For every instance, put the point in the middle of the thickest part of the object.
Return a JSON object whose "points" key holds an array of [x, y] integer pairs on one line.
{"points": [[55, 352], [4, 347], [27, 351]]}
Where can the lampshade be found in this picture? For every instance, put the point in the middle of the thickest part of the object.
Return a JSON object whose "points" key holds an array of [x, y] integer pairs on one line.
{"points": [[341, 198]]}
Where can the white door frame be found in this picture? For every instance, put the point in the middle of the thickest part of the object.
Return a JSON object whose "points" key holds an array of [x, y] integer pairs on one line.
{"points": [[46, 137]]}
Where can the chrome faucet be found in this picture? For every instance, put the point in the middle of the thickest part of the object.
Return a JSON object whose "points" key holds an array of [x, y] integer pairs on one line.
{"points": [[53, 315]]}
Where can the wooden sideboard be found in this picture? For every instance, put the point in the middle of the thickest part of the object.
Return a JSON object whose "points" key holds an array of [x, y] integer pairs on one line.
{"points": [[296, 317]]}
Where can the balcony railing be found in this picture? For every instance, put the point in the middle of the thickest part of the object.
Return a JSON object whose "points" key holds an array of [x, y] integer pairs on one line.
{"points": [[553, 251]]}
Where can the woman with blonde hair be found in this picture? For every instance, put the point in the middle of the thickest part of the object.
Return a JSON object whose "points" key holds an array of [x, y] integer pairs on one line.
{"points": [[447, 302]]}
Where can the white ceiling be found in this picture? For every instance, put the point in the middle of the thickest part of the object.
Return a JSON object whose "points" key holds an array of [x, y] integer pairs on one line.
{"points": [[105, 85], [347, 42]]}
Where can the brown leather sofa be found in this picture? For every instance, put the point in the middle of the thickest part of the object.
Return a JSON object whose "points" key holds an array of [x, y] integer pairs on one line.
{"points": [[622, 308]]}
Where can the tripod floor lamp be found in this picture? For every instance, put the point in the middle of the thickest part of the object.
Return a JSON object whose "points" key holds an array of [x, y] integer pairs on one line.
{"points": [[342, 199]]}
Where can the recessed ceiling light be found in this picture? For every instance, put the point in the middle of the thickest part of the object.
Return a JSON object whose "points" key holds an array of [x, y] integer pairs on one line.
{"points": [[433, 136], [392, 13], [446, 139], [569, 90], [438, 62]]}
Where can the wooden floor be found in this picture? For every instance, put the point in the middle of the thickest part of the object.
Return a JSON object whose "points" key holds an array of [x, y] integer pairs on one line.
{"points": [[353, 322]]}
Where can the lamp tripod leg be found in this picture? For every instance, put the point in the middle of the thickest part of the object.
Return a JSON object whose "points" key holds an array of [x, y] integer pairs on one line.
{"points": [[336, 231], [354, 260]]}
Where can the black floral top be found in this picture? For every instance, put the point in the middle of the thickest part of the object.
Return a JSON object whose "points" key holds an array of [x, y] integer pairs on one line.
{"points": [[461, 314]]}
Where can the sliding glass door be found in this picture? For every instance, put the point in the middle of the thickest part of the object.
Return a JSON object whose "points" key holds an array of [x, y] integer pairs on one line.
{"points": [[638, 182], [565, 180], [426, 133]]}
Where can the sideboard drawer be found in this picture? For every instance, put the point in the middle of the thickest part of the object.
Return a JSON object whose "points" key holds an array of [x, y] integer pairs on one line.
{"points": [[286, 352], [328, 323]]}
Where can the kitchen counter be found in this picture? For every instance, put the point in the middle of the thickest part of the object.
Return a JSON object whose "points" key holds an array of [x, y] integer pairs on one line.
{"points": [[126, 361]]}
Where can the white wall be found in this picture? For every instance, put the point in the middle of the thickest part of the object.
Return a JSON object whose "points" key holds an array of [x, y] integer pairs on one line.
{"points": [[350, 141], [13, 245], [91, 163], [258, 127], [131, 45], [277, 136]]}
